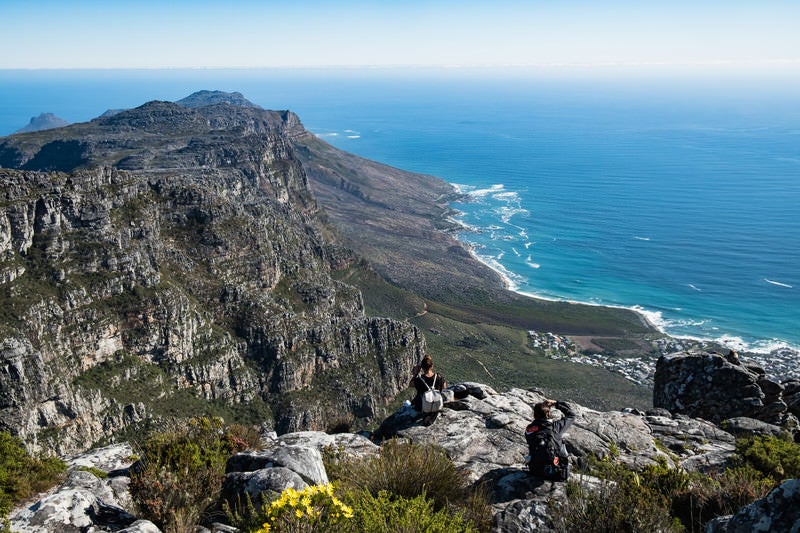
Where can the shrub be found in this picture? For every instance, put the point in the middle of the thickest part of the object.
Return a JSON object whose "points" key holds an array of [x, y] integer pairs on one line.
{"points": [[631, 500], [621, 505], [22, 476], [719, 494], [182, 470], [625, 501], [404, 469], [315, 508], [386, 513], [775, 457]]}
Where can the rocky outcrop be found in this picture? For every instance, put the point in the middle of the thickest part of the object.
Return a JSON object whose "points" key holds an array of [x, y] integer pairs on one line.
{"points": [[715, 387], [166, 256], [85, 502], [483, 433]]}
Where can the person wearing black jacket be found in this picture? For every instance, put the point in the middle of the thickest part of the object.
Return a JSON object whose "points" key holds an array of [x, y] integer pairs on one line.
{"points": [[547, 454], [425, 379]]}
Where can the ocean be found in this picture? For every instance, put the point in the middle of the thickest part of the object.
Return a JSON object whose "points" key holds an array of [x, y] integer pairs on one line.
{"points": [[678, 197]]}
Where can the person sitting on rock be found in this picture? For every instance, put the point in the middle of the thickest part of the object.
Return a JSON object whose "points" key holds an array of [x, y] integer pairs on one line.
{"points": [[424, 379], [547, 455]]}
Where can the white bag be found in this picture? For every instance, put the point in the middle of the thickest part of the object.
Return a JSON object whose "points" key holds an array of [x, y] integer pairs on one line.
{"points": [[432, 400]]}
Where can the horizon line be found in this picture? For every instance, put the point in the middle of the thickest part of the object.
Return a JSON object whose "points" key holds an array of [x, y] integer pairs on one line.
{"points": [[782, 62]]}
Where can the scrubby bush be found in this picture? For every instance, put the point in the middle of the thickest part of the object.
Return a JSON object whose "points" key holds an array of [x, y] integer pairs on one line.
{"points": [[626, 501], [317, 509], [21, 475], [403, 471], [387, 513], [718, 494], [775, 457], [182, 469], [661, 498]]}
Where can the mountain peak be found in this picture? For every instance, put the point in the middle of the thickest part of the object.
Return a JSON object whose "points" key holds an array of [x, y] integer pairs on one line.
{"points": [[206, 98], [45, 121]]}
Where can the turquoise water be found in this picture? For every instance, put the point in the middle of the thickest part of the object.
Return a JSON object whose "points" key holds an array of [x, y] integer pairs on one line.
{"points": [[678, 198]]}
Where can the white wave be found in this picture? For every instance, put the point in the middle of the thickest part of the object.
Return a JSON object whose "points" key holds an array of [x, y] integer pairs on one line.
{"points": [[462, 188], [515, 252], [484, 192], [641, 238], [523, 234], [778, 283], [532, 264], [500, 255], [733, 342], [510, 279], [528, 245], [654, 318], [506, 195], [331, 134], [354, 136], [507, 212], [351, 131], [768, 346], [695, 288]]}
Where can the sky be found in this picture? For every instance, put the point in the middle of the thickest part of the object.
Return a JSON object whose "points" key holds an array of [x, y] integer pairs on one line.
{"points": [[36, 34]]}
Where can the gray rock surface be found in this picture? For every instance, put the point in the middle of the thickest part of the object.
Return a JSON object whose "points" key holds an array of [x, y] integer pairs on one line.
{"points": [[493, 453], [305, 461], [84, 502]]}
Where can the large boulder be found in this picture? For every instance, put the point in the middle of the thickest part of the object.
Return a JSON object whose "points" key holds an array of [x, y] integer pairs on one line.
{"points": [[293, 460], [713, 387]]}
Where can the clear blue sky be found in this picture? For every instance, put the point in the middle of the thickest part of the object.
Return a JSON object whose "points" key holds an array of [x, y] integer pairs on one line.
{"points": [[300, 33]]}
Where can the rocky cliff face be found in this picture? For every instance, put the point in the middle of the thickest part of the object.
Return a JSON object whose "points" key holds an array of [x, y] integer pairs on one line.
{"points": [[168, 260]]}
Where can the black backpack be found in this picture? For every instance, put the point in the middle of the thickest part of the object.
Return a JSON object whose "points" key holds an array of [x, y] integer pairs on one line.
{"points": [[544, 449]]}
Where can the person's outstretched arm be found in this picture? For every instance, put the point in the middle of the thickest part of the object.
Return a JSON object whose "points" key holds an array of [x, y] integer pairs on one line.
{"points": [[567, 420]]}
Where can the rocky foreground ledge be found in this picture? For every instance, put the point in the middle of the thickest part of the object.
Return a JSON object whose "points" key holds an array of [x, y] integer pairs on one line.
{"points": [[482, 432]]}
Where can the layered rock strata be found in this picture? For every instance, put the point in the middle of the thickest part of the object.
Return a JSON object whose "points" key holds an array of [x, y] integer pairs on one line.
{"points": [[165, 259]]}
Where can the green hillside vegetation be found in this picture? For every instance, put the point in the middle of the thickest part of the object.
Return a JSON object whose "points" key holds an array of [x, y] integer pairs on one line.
{"points": [[482, 344], [23, 475]]}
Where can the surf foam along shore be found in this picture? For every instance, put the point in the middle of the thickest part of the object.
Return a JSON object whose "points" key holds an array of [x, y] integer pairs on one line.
{"points": [[778, 357]]}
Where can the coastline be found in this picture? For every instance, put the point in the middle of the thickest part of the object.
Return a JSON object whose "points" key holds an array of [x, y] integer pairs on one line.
{"points": [[755, 344], [782, 359]]}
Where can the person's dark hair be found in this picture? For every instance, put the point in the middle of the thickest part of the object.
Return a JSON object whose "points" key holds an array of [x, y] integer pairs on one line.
{"points": [[426, 363], [541, 411]]}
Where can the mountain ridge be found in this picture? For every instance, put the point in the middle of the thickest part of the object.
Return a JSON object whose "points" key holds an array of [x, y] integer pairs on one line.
{"points": [[144, 278], [166, 258]]}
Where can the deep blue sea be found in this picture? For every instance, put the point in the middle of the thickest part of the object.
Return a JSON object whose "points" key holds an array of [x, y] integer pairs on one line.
{"points": [[677, 197]]}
